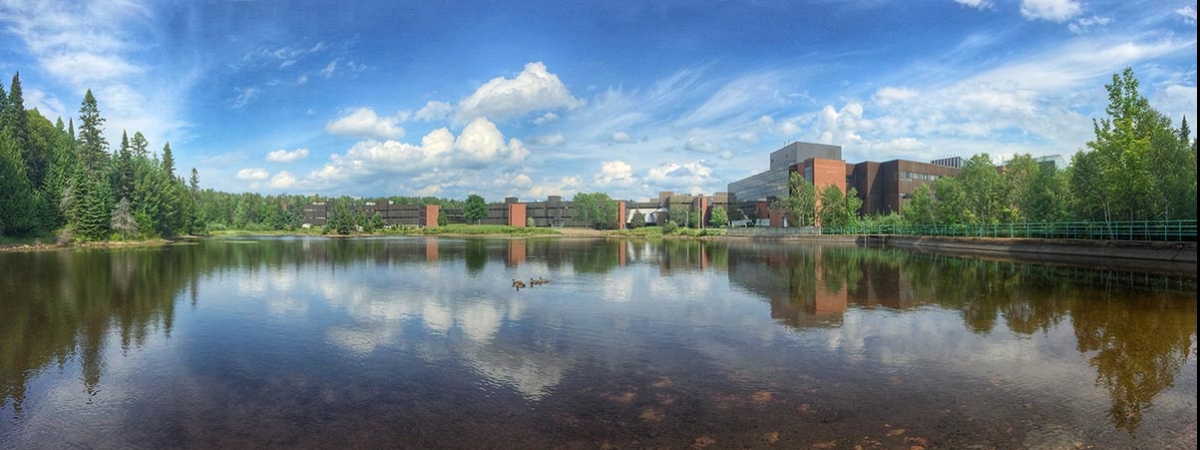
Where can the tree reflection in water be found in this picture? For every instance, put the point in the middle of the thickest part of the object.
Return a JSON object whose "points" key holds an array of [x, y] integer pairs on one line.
{"points": [[1136, 332]]}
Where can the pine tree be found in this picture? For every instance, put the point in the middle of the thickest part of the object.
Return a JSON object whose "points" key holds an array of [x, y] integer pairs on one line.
{"points": [[194, 184], [168, 161], [93, 149], [17, 202], [17, 123], [91, 210], [139, 146], [124, 168]]}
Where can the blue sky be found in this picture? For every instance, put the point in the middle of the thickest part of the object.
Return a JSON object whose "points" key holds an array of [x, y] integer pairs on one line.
{"points": [[530, 98]]}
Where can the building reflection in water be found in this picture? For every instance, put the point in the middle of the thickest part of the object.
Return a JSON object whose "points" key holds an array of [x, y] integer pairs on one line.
{"points": [[1136, 332]]}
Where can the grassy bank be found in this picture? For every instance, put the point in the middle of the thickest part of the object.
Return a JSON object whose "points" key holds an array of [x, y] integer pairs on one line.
{"points": [[668, 232]]}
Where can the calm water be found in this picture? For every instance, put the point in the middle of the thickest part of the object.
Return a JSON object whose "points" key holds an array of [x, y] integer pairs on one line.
{"points": [[423, 343]]}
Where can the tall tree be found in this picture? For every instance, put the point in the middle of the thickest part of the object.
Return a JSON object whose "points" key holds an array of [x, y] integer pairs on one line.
{"points": [[168, 161], [475, 209], [921, 210], [139, 146], [1019, 174], [17, 203], [801, 203], [93, 149], [983, 190], [17, 123], [124, 168], [831, 210]]}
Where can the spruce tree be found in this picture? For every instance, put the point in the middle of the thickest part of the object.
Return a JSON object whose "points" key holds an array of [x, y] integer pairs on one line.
{"points": [[17, 123], [17, 203], [168, 161], [124, 168], [93, 149]]}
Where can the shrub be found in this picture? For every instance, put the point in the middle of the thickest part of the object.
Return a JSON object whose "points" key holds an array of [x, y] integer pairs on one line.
{"points": [[669, 227]]}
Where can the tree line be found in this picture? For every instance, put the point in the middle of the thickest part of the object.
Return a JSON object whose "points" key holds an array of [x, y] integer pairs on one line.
{"points": [[56, 178], [1138, 167], [59, 179]]}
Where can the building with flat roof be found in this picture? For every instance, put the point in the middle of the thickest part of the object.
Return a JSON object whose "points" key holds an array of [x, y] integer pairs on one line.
{"points": [[883, 187]]}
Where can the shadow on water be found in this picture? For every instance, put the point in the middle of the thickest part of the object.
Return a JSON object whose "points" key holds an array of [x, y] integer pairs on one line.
{"points": [[1136, 331]]}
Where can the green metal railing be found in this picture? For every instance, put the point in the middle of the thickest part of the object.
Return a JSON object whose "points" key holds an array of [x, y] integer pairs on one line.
{"points": [[1148, 230]]}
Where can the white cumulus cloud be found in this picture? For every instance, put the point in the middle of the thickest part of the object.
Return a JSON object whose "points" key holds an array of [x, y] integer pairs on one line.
{"points": [[282, 180], [433, 111], [1051, 10], [533, 89], [615, 172], [480, 143], [363, 122], [284, 156], [253, 174]]}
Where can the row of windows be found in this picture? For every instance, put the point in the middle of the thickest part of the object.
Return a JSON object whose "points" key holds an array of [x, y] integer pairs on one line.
{"points": [[911, 176]]}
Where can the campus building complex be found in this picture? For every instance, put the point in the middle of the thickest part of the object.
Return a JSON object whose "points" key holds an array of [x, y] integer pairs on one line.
{"points": [[883, 187]]}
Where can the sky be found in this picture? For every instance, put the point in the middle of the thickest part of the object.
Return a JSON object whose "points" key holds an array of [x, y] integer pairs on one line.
{"points": [[530, 98]]}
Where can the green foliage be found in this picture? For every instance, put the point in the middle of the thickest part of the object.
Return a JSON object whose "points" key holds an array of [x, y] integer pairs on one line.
{"points": [[92, 146], [801, 203], [921, 210], [669, 227], [168, 161], [341, 220], [638, 220], [831, 210], [983, 189], [529, 222], [475, 209], [1144, 167], [92, 211], [597, 210], [441, 219], [678, 214], [17, 202], [720, 218]]}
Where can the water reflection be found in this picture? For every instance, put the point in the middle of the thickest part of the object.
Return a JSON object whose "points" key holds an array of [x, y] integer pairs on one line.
{"points": [[326, 317], [1137, 330]]}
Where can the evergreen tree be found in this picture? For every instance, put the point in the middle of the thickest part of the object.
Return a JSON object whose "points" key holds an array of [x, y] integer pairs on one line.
{"points": [[139, 146], [194, 184], [124, 168], [93, 149], [17, 123], [18, 205], [638, 220], [168, 161], [92, 210]]}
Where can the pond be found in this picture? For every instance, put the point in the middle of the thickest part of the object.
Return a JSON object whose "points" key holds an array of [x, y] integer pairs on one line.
{"points": [[425, 343]]}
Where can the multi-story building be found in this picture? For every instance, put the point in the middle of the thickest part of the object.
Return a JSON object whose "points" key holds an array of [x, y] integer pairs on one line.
{"points": [[883, 187]]}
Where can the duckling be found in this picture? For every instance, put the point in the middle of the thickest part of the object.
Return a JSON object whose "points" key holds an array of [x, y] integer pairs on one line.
{"points": [[541, 280], [518, 284], [534, 282]]}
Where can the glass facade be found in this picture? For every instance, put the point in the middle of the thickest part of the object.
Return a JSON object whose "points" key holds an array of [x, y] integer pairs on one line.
{"points": [[768, 185]]}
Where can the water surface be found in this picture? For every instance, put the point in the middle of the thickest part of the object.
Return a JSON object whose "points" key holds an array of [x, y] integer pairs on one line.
{"points": [[423, 343]]}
